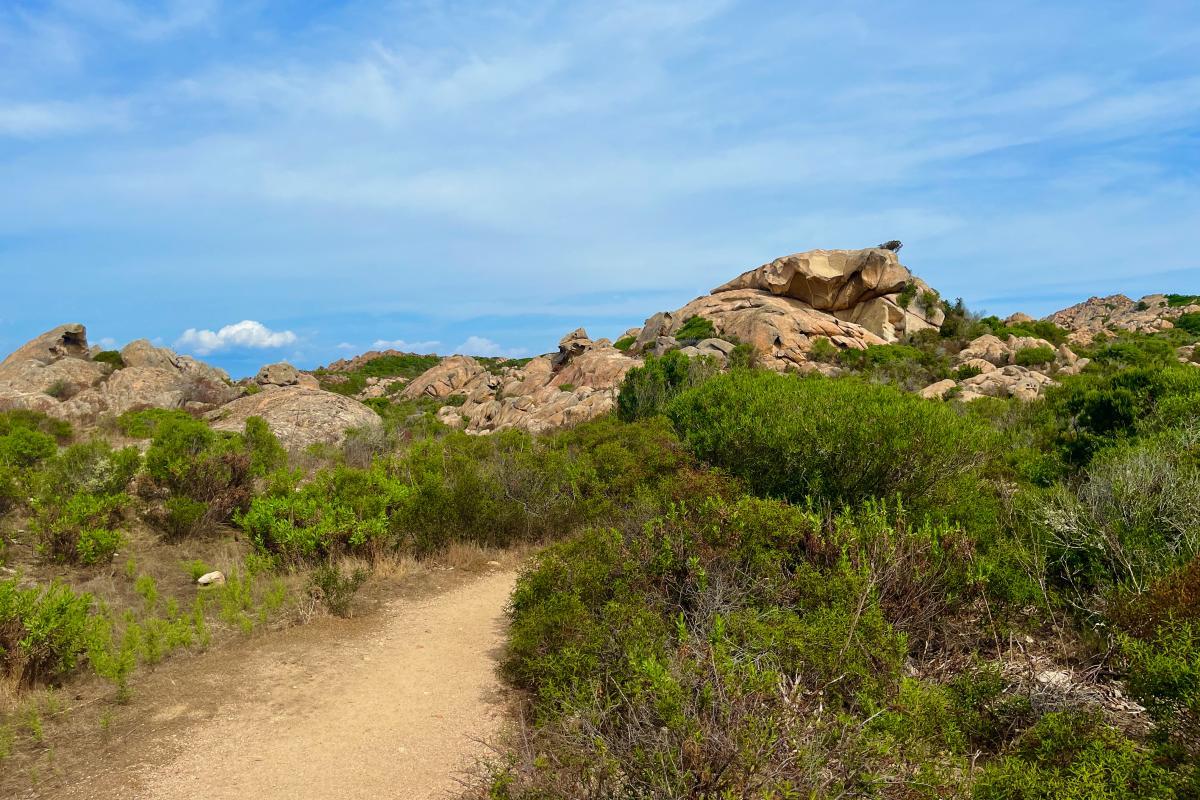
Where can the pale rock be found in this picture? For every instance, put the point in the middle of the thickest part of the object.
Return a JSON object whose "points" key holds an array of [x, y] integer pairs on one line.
{"points": [[452, 375], [298, 416], [939, 390], [215, 578]]}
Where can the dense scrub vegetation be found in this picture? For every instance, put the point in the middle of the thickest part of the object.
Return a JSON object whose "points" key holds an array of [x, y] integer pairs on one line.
{"points": [[879, 596]]}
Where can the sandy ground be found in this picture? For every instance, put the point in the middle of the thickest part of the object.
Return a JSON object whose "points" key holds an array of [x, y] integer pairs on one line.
{"points": [[393, 708]]}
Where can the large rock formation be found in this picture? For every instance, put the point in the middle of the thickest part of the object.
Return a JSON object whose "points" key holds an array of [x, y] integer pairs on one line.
{"points": [[298, 416], [576, 384], [1151, 314], [852, 298], [56, 374]]}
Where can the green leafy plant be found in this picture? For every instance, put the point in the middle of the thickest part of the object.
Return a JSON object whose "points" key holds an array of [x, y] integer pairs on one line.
{"points": [[335, 588], [696, 328]]}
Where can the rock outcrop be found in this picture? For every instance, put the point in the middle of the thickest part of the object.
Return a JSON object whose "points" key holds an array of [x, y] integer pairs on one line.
{"points": [[998, 373], [852, 298], [284, 374], [576, 384], [56, 374], [1152, 314], [298, 416]]}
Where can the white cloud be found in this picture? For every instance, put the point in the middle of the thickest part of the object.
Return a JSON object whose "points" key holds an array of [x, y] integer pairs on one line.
{"points": [[247, 333], [401, 344], [481, 346], [108, 343], [345, 346]]}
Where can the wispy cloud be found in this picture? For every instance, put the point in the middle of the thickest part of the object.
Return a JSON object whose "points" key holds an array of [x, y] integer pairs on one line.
{"points": [[245, 334], [482, 346], [401, 344]]}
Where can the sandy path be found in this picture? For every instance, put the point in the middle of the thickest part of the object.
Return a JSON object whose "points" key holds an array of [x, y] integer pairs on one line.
{"points": [[394, 712]]}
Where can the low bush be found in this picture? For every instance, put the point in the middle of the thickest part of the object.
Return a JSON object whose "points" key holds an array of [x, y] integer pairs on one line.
{"points": [[1132, 518], [43, 630], [23, 447], [1034, 356], [1189, 322], [1073, 754], [79, 528], [110, 357], [837, 441], [647, 389], [189, 459], [144, 424], [335, 588], [695, 328], [1164, 676], [624, 343]]}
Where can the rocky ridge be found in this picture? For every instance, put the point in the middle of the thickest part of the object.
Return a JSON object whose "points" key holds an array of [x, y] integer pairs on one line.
{"points": [[1151, 314], [58, 374], [780, 311]]}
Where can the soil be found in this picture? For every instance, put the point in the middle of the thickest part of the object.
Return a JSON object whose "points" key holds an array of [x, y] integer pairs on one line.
{"points": [[394, 704]]}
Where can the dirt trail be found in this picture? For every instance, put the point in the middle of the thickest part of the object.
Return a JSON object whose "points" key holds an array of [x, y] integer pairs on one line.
{"points": [[395, 711]]}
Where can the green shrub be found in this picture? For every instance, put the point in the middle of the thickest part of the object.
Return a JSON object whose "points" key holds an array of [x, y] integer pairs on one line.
{"points": [[1181, 300], [24, 447], [624, 343], [743, 356], [838, 441], [1189, 322], [145, 423], [43, 630], [182, 516], [695, 328], [1132, 518], [1164, 676], [91, 467], [34, 421], [682, 644], [11, 492], [1099, 408], [566, 387], [1070, 754], [335, 588], [823, 350], [78, 529], [647, 389], [110, 357], [1034, 356], [189, 459], [266, 453]]}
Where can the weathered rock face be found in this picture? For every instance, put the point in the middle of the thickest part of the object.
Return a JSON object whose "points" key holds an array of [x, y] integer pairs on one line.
{"points": [[870, 288], [298, 416], [576, 384], [1096, 315], [780, 329], [55, 374], [827, 280], [853, 298], [454, 375]]}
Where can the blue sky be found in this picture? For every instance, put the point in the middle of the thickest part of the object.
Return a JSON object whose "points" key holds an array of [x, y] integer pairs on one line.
{"points": [[486, 176]]}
